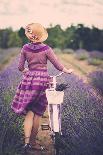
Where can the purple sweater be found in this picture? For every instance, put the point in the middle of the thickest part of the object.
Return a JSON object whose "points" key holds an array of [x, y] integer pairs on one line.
{"points": [[37, 54]]}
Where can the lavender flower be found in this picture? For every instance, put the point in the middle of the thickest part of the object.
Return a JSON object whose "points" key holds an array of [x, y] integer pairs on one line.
{"points": [[82, 113], [10, 124], [82, 125], [95, 58], [96, 80], [81, 54], [96, 55]]}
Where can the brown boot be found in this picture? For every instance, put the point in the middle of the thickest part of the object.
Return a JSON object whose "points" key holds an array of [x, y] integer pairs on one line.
{"points": [[37, 146], [33, 136], [34, 132]]}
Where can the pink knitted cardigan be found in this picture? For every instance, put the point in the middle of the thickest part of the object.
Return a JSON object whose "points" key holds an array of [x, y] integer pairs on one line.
{"points": [[37, 54]]}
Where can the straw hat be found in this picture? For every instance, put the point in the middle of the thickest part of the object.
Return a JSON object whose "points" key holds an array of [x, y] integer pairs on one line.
{"points": [[36, 32]]}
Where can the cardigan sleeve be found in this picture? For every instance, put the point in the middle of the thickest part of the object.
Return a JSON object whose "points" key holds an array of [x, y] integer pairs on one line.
{"points": [[22, 60], [51, 56]]}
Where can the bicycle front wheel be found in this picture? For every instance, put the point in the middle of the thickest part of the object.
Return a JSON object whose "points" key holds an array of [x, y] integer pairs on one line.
{"points": [[56, 143]]}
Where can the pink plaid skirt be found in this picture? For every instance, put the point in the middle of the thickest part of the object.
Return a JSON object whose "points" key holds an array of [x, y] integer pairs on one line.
{"points": [[30, 93]]}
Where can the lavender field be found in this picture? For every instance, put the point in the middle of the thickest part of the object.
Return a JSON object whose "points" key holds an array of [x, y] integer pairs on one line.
{"points": [[82, 114], [11, 125], [6, 55]]}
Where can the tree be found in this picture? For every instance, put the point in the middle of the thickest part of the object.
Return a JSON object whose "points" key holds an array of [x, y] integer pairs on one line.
{"points": [[4, 37], [56, 36], [95, 37], [14, 40], [21, 34], [70, 41]]}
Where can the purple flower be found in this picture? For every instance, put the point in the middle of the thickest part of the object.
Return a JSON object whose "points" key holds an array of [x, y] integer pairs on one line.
{"points": [[81, 54], [96, 80], [96, 55], [82, 111], [10, 124]]}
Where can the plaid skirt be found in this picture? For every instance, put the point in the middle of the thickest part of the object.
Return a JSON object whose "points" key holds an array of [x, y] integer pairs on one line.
{"points": [[30, 93]]}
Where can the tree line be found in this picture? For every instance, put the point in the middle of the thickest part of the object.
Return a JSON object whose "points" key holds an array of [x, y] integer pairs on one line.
{"points": [[74, 37]]}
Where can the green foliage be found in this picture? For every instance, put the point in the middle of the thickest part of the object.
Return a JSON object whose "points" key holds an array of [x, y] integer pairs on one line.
{"points": [[57, 50], [56, 37], [70, 38], [5, 61], [21, 34], [11, 126], [81, 54], [73, 37], [76, 37], [4, 37], [14, 40], [94, 61], [7, 97], [68, 51]]}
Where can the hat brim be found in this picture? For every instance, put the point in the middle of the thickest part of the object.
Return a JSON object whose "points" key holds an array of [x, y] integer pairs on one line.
{"points": [[43, 38]]}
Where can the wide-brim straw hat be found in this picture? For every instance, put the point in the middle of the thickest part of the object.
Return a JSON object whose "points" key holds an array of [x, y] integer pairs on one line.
{"points": [[37, 30]]}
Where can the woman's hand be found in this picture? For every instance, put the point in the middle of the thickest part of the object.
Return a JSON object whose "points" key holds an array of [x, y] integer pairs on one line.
{"points": [[69, 71], [25, 70]]}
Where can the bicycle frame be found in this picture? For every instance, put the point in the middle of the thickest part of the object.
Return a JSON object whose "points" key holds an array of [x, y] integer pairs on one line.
{"points": [[55, 99]]}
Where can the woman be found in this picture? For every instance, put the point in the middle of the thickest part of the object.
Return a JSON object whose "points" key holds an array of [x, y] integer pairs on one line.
{"points": [[30, 98]]}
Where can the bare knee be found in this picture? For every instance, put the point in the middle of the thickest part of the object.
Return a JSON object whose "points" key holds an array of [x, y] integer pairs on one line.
{"points": [[37, 116], [30, 114]]}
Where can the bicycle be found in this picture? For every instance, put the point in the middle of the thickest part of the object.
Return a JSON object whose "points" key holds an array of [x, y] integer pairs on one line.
{"points": [[55, 99]]}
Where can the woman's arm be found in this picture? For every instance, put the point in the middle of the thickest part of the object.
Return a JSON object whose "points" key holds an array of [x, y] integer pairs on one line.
{"points": [[55, 61], [21, 61], [65, 70]]}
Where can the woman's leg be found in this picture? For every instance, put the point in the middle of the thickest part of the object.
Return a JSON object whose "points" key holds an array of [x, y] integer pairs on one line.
{"points": [[28, 123], [36, 121]]}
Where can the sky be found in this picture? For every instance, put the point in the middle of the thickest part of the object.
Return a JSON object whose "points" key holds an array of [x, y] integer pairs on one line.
{"points": [[18, 13]]}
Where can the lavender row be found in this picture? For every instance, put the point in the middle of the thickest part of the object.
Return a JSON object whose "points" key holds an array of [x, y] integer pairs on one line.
{"points": [[82, 113], [93, 57], [96, 80], [10, 124], [87, 54]]}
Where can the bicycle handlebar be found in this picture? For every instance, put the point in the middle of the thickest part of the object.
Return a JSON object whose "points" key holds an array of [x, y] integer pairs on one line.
{"points": [[53, 83], [57, 74]]}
